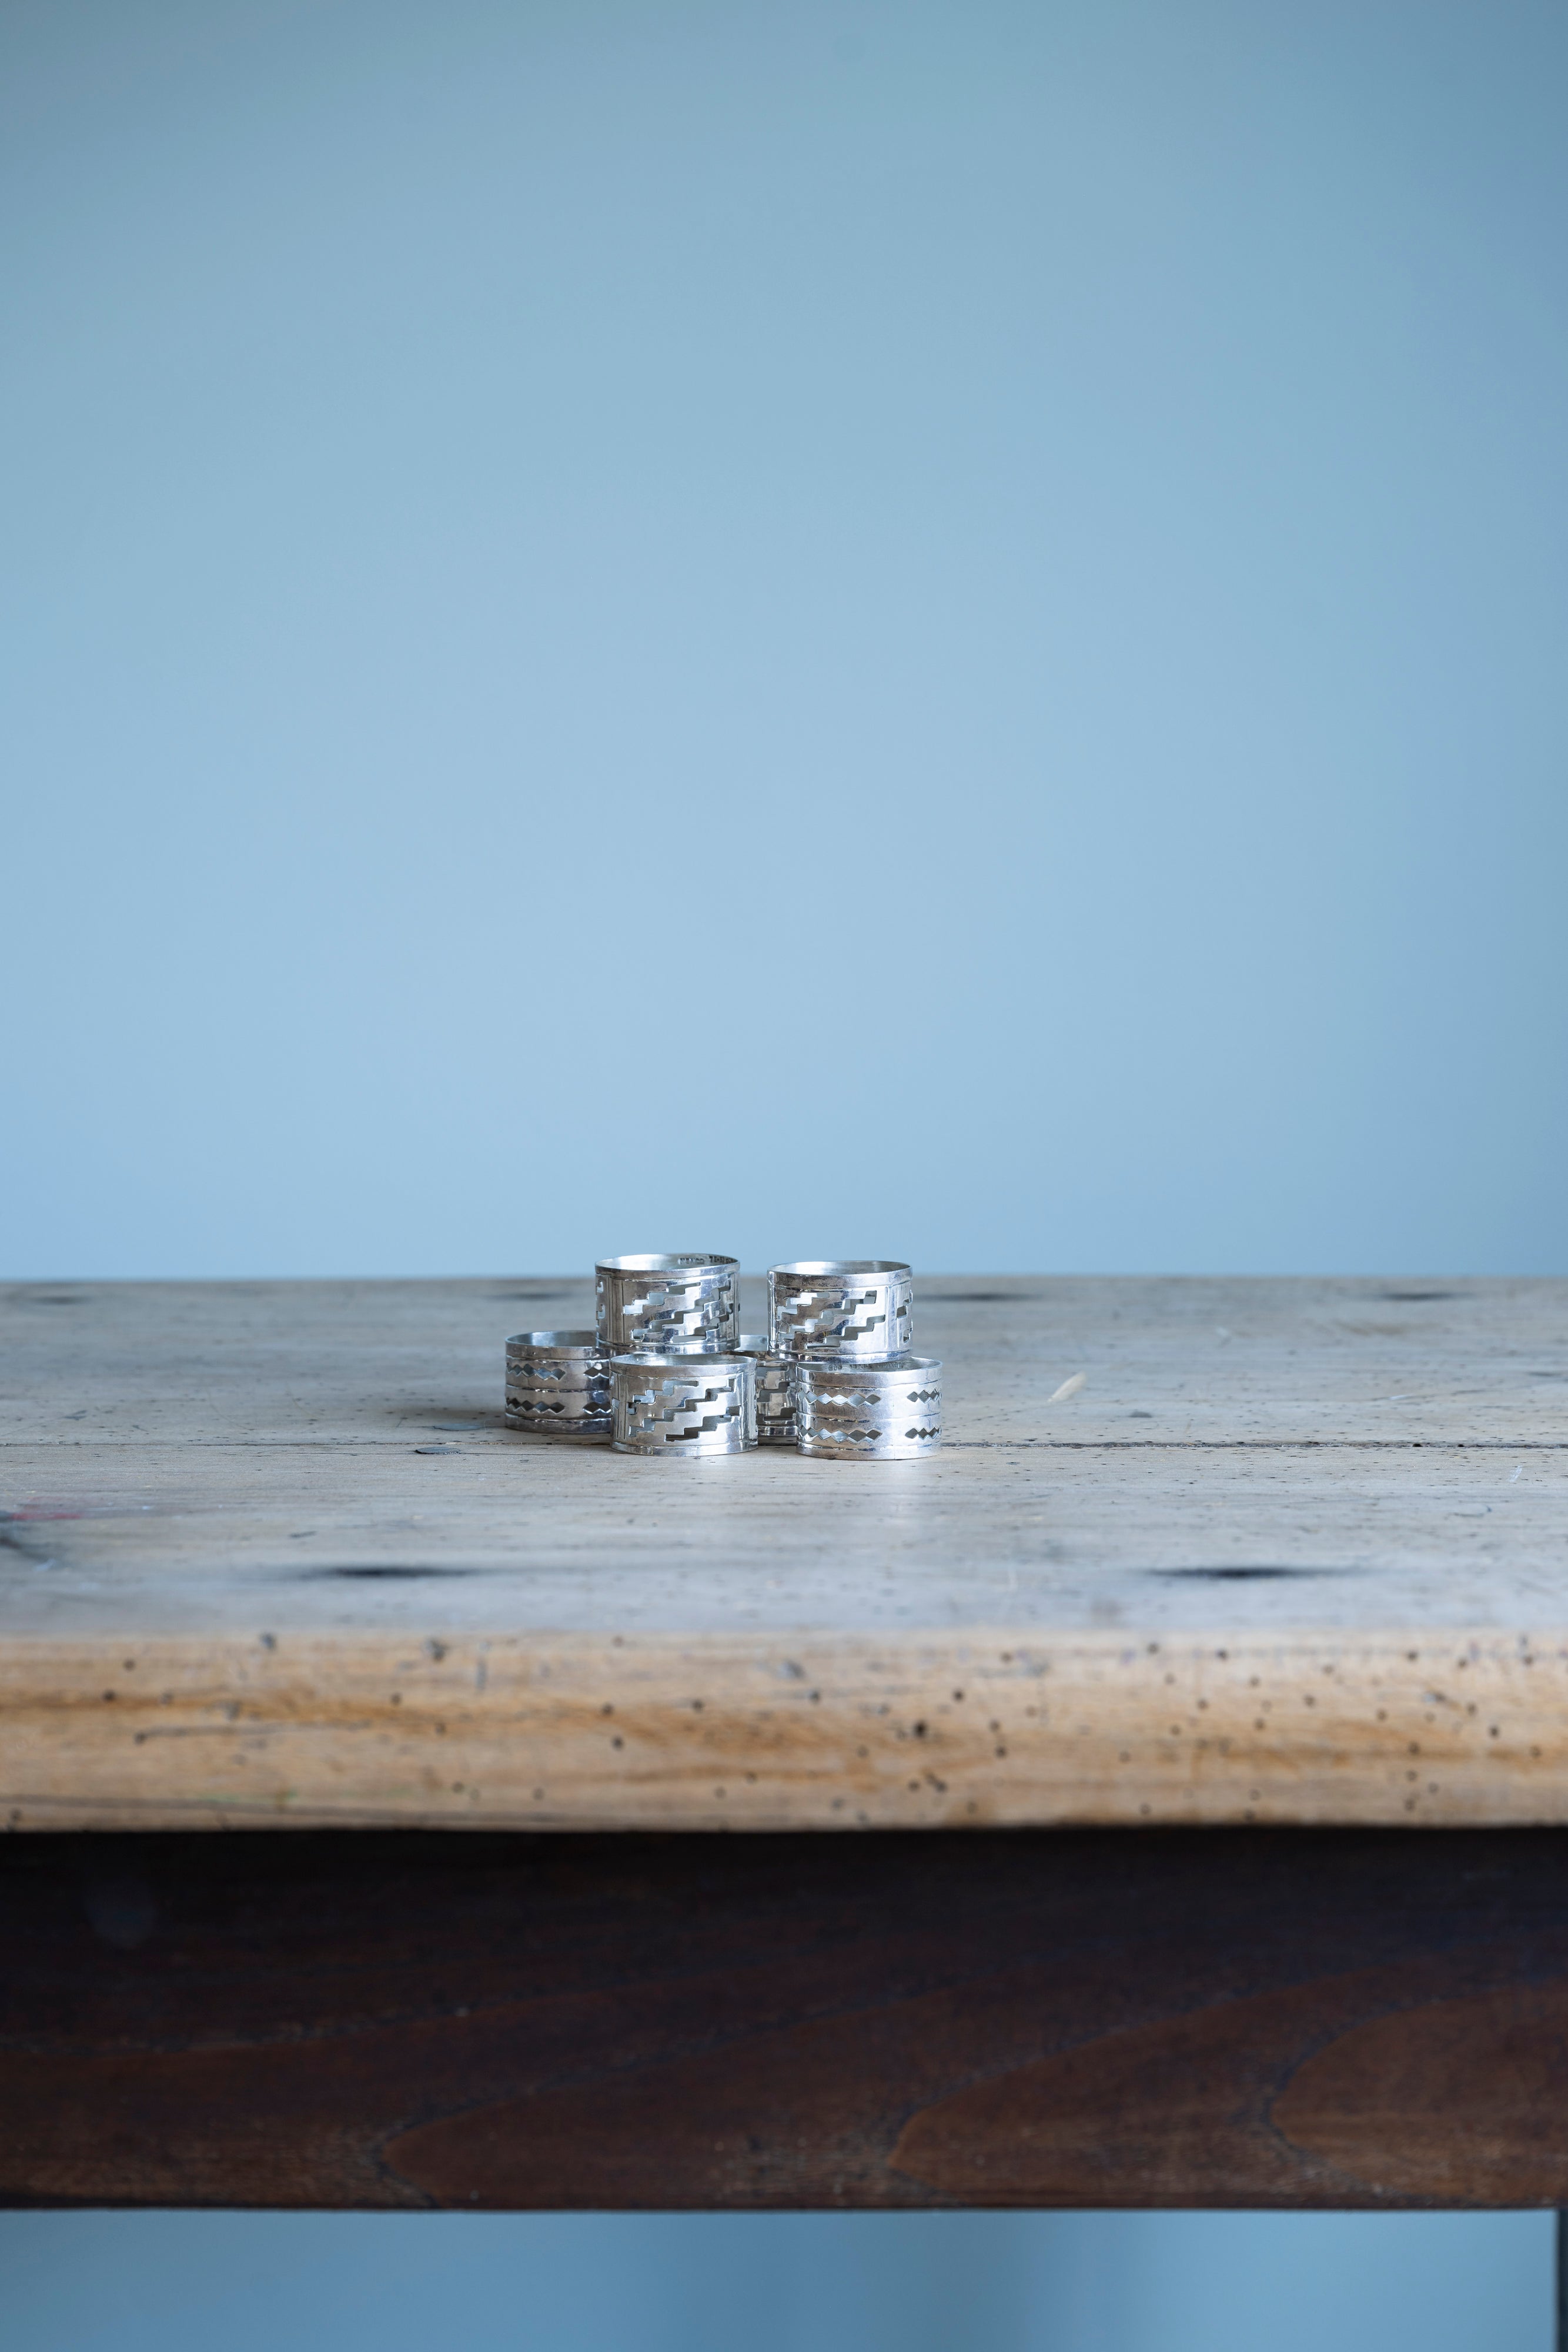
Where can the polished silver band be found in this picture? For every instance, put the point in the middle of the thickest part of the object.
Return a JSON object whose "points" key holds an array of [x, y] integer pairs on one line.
{"points": [[774, 1392], [650, 1304], [696, 1403], [558, 1384], [861, 1308], [869, 1412]]}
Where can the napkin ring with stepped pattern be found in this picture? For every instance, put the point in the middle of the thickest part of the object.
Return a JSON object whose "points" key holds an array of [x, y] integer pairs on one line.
{"points": [[693, 1404], [862, 1307], [869, 1412], [558, 1384], [775, 1390], [647, 1305]]}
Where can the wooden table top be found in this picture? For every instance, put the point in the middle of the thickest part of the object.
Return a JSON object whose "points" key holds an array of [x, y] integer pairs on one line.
{"points": [[1295, 1550]]}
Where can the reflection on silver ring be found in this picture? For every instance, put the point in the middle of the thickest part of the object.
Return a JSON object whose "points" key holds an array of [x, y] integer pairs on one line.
{"points": [[774, 1392]]}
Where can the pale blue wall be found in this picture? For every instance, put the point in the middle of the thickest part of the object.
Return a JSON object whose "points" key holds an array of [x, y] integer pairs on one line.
{"points": [[791, 2282], [1032, 535]]}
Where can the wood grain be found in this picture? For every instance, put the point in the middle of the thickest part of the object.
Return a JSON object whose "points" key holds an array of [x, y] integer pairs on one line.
{"points": [[1183, 2018], [1296, 1551]]}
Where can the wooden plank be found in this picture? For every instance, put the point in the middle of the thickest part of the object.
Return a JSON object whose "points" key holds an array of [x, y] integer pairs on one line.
{"points": [[1294, 1552], [1182, 2018]]}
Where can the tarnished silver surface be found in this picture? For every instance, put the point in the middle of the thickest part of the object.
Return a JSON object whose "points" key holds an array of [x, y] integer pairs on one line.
{"points": [[683, 1404], [652, 1304], [558, 1384], [862, 1307], [869, 1412], [775, 1390]]}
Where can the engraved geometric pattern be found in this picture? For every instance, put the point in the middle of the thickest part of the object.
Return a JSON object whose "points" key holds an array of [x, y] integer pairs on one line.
{"points": [[650, 1314], [867, 1315], [858, 1415], [540, 1398], [659, 1408], [558, 1381], [584, 1374]]}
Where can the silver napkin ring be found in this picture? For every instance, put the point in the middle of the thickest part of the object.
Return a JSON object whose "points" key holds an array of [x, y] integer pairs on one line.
{"points": [[869, 1412], [774, 1392], [650, 1304], [858, 1307], [690, 1405], [558, 1384]]}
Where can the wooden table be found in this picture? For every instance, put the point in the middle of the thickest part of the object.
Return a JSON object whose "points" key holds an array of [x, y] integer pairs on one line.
{"points": [[1229, 1626]]}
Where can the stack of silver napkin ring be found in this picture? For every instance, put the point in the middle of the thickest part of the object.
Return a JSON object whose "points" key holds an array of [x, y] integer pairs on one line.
{"points": [[668, 1370]]}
